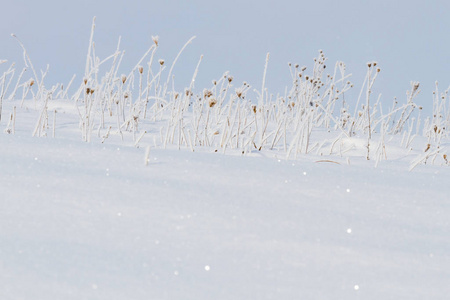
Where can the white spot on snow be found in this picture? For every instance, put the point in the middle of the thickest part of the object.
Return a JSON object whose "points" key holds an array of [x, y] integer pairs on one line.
{"points": [[356, 287], [349, 230], [207, 268], [304, 173], [348, 190]]}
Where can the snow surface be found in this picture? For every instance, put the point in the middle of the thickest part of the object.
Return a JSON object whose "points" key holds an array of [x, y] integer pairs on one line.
{"points": [[90, 221]]}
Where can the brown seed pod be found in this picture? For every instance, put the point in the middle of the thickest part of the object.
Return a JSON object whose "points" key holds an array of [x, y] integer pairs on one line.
{"points": [[212, 102]]}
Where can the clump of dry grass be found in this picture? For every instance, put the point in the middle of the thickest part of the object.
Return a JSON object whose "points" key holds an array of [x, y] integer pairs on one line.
{"points": [[141, 105]]}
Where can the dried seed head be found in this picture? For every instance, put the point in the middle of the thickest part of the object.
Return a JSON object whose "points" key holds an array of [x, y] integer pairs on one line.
{"points": [[239, 93], [92, 91], [230, 79], [141, 69], [85, 80], [161, 62], [297, 66], [124, 78], [88, 91], [31, 82], [303, 69], [254, 108], [214, 82], [207, 93], [155, 40], [378, 70], [125, 95], [212, 102]]}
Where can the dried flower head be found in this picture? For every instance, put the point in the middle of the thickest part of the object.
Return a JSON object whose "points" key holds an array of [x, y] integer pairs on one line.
{"points": [[124, 78], [207, 93], [31, 82], [161, 62], [230, 79], [141, 69], [155, 40], [212, 102]]}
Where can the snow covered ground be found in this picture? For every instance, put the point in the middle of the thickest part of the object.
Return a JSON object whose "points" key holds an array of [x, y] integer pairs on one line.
{"points": [[90, 221]]}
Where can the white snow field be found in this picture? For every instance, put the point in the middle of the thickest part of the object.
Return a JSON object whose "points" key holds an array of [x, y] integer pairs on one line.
{"points": [[90, 221], [125, 188]]}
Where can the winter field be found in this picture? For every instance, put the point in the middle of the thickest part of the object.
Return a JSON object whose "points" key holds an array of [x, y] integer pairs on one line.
{"points": [[119, 186]]}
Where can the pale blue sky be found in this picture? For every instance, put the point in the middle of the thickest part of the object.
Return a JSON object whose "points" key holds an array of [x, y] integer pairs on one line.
{"points": [[409, 39]]}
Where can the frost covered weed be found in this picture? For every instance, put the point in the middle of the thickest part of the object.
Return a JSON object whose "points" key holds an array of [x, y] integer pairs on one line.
{"points": [[145, 107]]}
